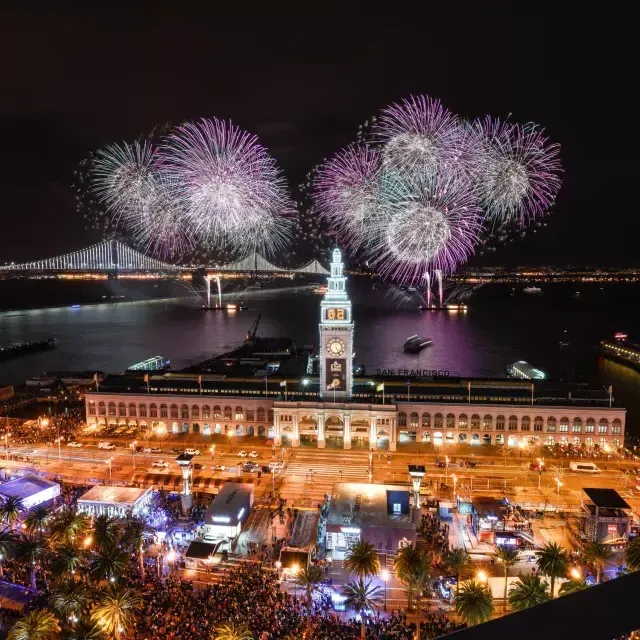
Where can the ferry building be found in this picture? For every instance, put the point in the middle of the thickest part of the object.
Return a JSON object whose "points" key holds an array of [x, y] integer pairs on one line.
{"points": [[267, 388]]}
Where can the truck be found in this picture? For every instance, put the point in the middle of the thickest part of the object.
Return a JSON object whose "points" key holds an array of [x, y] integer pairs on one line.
{"points": [[584, 467]]}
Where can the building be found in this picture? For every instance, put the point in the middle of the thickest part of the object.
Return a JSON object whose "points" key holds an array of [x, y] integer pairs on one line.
{"points": [[379, 514], [605, 517], [337, 409], [114, 501], [228, 511], [31, 490]]}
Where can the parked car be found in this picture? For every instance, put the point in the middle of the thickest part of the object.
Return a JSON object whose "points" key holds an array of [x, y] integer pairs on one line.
{"points": [[265, 469], [192, 452], [242, 453], [537, 466], [155, 450], [254, 454], [106, 445], [197, 465], [249, 467], [74, 444], [162, 464], [440, 464], [219, 467]]}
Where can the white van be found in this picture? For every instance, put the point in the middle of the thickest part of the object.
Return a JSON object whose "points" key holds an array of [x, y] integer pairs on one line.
{"points": [[584, 467], [106, 445]]}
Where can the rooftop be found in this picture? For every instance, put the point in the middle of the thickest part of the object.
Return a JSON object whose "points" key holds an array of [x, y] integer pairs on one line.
{"points": [[365, 505], [200, 550], [233, 502], [26, 486], [606, 498], [114, 495]]}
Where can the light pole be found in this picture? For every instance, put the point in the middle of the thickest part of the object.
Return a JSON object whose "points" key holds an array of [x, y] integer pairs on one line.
{"points": [[6, 443], [446, 469], [133, 452], [385, 577], [213, 451], [108, 461], [455, 481], [559, 484]]}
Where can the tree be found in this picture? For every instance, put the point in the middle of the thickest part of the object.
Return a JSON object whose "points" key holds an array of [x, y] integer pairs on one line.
{"points": [[116, 608], [108, 563], [10, 509], [67, 525], [457, 560], [362, 560], [88, 630], [632, 555], [360, 597], [37, 518], [597, 554], [407, 560], [67, 560], [30, 550], [134, 537], [553, 561], [70, 598], [308, 578], [232, 632], [37, 625], [7, 545], [528, 592], [474, 603], [418, 581], [508, 556], [105, 531], [573, 586]]}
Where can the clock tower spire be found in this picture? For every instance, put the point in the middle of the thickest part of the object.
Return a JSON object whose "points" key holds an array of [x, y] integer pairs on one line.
{"points": [[336, 335]]}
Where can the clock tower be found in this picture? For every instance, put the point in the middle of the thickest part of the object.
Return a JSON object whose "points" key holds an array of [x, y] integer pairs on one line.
{"points": [[336, 336]]}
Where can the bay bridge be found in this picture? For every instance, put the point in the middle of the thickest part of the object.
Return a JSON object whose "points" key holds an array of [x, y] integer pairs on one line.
{"points": [[113, 259]]}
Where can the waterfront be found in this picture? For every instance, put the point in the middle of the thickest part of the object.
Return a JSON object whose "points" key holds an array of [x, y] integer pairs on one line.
{"points": [[497, 330]]}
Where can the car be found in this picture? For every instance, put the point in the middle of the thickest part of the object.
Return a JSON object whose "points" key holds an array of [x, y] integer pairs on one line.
{"points": [[254, 454], [155, 450], [250, 467], [440, 464], [163, 464], [537, 466], [265, 469], [106, 445], [74, 444], [219, 467], [197, 465], [192, 452], [242, 454]]}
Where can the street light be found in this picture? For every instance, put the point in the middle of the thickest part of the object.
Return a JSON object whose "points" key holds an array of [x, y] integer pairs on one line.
{"points": [[133, 452], [213, 451], [44, 422], [108, 461], [576, 574], [446, 468], [558, 483], [294, 570], [385, 577], [6, 443], [481, 576], [455, 480]]}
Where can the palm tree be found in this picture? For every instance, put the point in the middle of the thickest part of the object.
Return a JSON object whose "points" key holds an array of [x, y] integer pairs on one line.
{"points": [[528, 592], [108, 563], [67, 560], [37, 625], [573, 586], [10, 509], [418, 581], [30, 549], [553, 561], [134, 537], [68, 525], [308, 578], [458, 560], [360, 597], [7, 545], [508, 556], [37, 519], [597, 554], [105, 531], [362, 560], [632, 555], [407, 560], [116, 609], [474, 603], [232, 632], [87, 630], [70, 598]]}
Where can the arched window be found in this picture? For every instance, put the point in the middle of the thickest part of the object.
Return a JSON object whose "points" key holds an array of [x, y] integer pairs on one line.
{"points": [[250, 415], [163, 411], [122, 409], [184, 412], [513, 423], [451, 421], [239, 413], [603, 425], [414, 420], [475, 421], [525, 423], [174, 411], [463, 421], [153, 411], [616, 427], [195, 412], [500, 423], [261, 414], [564, 425], [227, 413], [437, 421], [206, 412], [217, 412], [577, 425], [426, 420], [143, 410], [538, 423], [112, 408], [487, 422], [590, 427], [270, 416], [551, 424], [102, 409], [402, 419], [132, 409], [92, 408]]}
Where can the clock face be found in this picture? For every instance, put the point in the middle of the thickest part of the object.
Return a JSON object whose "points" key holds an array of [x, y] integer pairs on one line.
{"points": [[335, 347]]}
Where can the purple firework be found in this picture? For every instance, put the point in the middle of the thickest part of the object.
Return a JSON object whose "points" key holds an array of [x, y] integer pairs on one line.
{"points": [[517, 170]]}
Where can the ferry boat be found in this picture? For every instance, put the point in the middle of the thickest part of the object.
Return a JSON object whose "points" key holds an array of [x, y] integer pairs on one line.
{"points": [[621, 350], [452, 306], [525, 371], [415, 344], [321, 290], [533, 291]]}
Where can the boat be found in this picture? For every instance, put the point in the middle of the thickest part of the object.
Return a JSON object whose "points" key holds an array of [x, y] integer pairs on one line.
{"points": [[533, 291], [525, 371], [621, 350], [415, 344], [321, 290], [23, 348], [447, 307], [564, 344]]}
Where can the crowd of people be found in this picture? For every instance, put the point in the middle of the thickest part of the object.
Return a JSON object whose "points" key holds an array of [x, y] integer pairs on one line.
{"points": [[435, 533]]}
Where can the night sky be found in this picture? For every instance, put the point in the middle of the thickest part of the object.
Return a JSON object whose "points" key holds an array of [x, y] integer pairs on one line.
{"points": [[303, 79]]}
